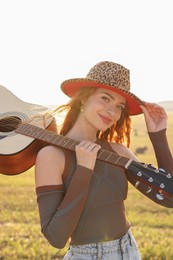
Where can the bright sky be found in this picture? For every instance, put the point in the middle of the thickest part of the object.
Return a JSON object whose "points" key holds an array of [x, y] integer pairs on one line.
{"points": [[43, 42]]}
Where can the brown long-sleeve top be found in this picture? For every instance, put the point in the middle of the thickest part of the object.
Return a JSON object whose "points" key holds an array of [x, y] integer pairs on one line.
{"points": [[89, 206]]}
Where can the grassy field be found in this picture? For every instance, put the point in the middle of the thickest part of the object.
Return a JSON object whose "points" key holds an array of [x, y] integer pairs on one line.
{"points": [[20, 236]]}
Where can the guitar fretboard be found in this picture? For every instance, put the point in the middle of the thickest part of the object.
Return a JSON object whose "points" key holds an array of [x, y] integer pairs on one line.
{"points": [[68, 143], [152, 177]]}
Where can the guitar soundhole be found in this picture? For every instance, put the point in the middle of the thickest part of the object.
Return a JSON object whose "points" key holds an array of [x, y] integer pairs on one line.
{"points": [[9, 124]]}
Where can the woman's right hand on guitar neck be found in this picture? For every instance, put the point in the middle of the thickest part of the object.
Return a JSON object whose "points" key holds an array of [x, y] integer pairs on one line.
{"points": [[86, 154]]}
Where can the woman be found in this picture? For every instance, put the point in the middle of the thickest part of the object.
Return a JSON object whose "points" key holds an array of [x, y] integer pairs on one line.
{"points": [[81, 199]]}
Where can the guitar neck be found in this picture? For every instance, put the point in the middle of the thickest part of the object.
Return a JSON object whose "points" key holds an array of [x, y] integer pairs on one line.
{"points": [[68, 143], [153, 178]]}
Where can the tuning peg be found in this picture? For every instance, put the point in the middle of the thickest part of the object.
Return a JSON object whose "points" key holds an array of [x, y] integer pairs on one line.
{"points": [[161, 170], [150, 179], [149, 190], [168, 176], [137, 183], [150, 166], [159, 196], [162, 185], [139, 174]]}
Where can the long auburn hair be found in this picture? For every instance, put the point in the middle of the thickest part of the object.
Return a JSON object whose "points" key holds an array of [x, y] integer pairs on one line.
{"points": [[119, 132]]}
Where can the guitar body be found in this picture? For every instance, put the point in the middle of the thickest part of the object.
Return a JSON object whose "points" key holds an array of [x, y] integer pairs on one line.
{"points": [[17, 151]]}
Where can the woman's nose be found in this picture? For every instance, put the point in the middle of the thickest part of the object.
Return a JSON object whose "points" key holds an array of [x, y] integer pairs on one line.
{"points": [[111, 111]]}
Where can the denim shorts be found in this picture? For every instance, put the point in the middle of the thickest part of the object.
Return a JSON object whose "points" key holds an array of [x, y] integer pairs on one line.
{"points": [[124, 248]]}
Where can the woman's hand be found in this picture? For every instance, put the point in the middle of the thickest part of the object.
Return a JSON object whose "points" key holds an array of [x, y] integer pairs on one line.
{"points": [[155, 117], [86, 154]]}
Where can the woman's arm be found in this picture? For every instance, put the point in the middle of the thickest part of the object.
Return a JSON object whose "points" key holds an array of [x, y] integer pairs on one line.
{"points": [[156, 122], [59, 210]]}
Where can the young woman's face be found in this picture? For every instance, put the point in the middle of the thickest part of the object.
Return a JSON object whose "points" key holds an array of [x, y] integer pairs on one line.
{"points": [[103, 109]]}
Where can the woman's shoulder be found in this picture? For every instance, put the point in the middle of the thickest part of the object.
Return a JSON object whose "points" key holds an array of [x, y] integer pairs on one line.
{"points": [[50, 149], [50, 154]]}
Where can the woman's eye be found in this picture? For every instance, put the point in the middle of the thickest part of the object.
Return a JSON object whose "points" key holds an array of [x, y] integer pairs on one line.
{"points": [[121, 108], [105, 98]]}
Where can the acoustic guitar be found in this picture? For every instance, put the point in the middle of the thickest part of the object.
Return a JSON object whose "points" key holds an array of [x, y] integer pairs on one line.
{"points": [[25, 128]]}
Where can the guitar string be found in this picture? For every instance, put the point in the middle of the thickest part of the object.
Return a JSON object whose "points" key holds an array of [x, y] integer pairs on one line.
{"points": [[14, 121], [10, 124], [10, 119]]}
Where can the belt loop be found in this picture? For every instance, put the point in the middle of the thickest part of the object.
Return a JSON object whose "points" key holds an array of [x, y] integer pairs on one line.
{"points": [[122, 242], [121, 246], [130, 238], [99, 251]]}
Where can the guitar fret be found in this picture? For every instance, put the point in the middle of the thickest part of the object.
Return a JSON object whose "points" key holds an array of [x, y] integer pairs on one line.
{"points": [[117, 159], [104, 155], [107, 159], [70, 144], [114, 158], [30, 131], [50, 138], [42, 135], [100, 153], [54, 138], [57, 140], [63, 141], [23, 127], [72, 147], [111, 157]]}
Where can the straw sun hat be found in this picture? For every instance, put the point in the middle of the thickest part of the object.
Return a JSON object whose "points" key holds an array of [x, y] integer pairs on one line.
{"points": [[107, 75]]}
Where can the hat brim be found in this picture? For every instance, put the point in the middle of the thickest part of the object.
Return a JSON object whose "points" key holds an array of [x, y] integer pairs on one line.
{"points": [[70, 88]]}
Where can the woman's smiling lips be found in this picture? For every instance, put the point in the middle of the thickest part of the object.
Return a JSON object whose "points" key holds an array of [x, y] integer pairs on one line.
{"points": [[105, 119]]}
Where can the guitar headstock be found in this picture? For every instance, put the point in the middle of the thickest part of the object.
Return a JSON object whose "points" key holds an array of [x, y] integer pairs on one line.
{"points": [[157, 179]]}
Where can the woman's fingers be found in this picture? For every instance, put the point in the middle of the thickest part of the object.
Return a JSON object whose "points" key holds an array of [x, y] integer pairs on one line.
{"points": [[155, 116], [86, 153]]}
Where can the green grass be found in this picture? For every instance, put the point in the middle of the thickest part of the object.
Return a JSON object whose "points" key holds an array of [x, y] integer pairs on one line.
{"points": [[20, 236]]}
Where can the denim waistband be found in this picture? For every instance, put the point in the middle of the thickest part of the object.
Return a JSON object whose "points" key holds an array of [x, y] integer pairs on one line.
{"points": [[103, 247]]}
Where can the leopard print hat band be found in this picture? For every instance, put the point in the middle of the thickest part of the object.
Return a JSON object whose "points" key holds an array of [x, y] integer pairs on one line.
{"points": [[107, 75]]}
